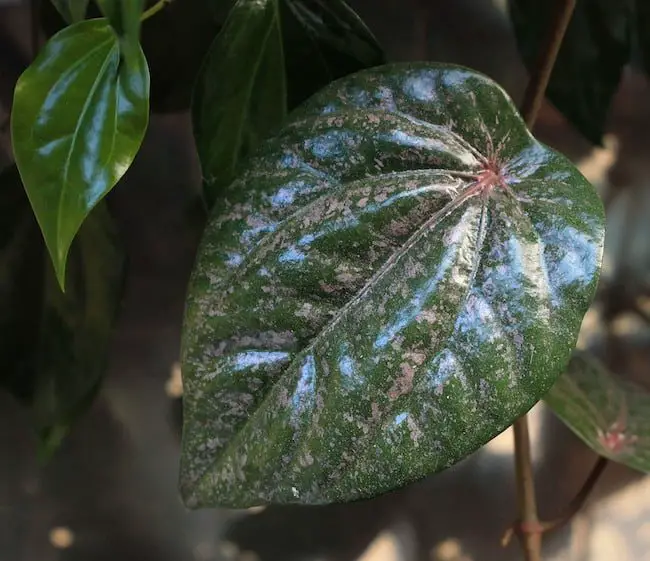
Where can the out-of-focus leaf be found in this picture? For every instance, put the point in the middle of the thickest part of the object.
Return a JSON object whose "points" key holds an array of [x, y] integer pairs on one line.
{"points": [[78, 119], [588, 69], [395, 277], [642, 32], [55, 345], [124, 17], [240, 93], [323, 40], [21, 284], [611, 415], [71, 11]]}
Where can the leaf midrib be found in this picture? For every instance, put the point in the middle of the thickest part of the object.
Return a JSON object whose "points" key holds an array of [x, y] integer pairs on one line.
{"points": [[75, 134], [383, 270], [366, 439]]}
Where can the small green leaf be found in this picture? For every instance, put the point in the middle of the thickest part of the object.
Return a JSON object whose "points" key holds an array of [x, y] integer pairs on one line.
{"points": [[323, 40], [611, 415], [124, 17], [240, 91], [54, 345], [72, 11], [174, 42], [78, 119], [396, 276], [596, 47]]}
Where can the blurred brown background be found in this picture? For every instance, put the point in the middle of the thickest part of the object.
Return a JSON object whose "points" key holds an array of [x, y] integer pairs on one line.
{"points": [[110, 494]]}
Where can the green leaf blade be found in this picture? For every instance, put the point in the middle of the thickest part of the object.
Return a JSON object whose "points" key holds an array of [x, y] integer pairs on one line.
{"points": [[323, 41], [397, 275], [72, 11], [240, 92], [78, 120], [609, 414], [588, 69]]}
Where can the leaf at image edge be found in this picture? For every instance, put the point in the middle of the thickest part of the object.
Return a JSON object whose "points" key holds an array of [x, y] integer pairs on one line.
{"points": [[239, 95], [642, 33], [76, 86], [71, 11], [589, 65], [323, 41], [608, 413]]}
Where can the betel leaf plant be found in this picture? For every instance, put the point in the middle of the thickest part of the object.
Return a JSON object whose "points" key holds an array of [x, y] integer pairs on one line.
{"points": [[394, 270], [397, 276]]}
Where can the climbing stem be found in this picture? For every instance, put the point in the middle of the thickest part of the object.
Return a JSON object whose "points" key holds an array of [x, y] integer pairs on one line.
{"points": [[579, 500], [528, 523], [529, 528], [546, 60]]}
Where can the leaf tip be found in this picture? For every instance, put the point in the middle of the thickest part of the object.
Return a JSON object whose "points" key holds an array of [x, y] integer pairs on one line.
{"points": [[188, 493], [59, 271]]}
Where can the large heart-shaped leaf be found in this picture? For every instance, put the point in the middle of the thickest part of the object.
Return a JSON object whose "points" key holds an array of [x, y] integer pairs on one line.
{"points": [[588, 68], [240, 93], [611, 415], [399, 274], [54, 345], [78, 119]]}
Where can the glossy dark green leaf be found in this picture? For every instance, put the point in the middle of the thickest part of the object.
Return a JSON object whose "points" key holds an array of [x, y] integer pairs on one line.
{"points": [[610, 414], [323, 40], [240, 92], [398, 275], [588, 69], [124, 17], [78, 119], [54, 344], [72, 11]]}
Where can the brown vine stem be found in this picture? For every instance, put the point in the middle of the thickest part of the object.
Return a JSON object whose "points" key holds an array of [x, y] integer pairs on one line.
{"points": [[579, 500], [572, 509], [528, 523], [530, 530], [544, 65]]}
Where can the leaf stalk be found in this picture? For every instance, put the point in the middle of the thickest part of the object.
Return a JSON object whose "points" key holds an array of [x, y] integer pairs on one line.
{"points": [[531, 538], [153, 10]]}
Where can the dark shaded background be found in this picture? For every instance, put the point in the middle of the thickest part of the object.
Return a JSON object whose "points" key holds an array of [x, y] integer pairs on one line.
{"points": [[110, 494]]}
